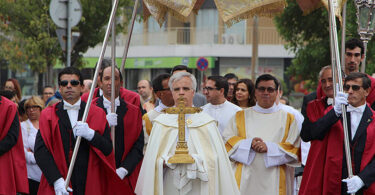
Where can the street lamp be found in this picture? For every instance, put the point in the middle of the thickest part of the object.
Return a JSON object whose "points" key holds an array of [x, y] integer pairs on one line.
{"points": [[366, 23]]}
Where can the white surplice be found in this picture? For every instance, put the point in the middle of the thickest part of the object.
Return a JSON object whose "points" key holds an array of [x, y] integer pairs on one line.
{"points": [[222, 113], [263, 173]]}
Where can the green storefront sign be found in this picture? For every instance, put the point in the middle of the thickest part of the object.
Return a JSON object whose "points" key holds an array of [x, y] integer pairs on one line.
{"points": [[142, 63]]}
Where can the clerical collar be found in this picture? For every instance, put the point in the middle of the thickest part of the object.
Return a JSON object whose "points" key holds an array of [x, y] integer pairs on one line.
{"points": [[272, 109], [160, 107], [77, 103], [218, 105]]}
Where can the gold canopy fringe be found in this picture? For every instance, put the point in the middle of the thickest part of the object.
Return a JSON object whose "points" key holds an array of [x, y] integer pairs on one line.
{"points": [[234, 14], [182, 7], [156, 10], [338, 9]]}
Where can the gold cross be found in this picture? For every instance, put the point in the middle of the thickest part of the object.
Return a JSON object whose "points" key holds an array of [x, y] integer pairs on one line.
{"points": [[182, 152]]}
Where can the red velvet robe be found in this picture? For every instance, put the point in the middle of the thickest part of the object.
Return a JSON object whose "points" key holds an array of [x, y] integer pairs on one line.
{"points": [[100, 167], [13, 172], [133, 127], [323, 171], [125, 94]]}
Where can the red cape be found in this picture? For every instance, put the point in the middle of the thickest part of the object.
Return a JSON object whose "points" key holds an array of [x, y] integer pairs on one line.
{"points": [[125, 94], [133, 128], [370, 98], [13, 172], [100, 167], [323, 171]]}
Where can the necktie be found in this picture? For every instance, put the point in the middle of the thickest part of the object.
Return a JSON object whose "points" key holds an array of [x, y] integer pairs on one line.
{"points": [[71, 107]]}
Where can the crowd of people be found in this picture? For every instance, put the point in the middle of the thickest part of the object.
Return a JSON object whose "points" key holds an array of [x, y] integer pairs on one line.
{"points": [[244, 139]]}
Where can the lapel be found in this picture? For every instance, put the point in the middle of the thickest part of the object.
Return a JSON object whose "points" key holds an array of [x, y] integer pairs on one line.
{"points": [[99, 103], [349, 126], [363, 124], [121, 110], [81, 110], [63, 116]]}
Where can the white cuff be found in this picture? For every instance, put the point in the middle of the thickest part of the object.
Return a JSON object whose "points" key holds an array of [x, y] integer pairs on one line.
{"points": [[244, 154], [275, 156]]}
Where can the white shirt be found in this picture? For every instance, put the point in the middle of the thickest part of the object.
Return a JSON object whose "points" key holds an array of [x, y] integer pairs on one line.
{"points": [[160, 107], [107, 104], [355, 117], [222, 113], [73, 114], [28, 137]]}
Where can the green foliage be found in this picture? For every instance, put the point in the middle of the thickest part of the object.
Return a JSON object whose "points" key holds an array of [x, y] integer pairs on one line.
{"points": [[30, 37], [308, 37]]}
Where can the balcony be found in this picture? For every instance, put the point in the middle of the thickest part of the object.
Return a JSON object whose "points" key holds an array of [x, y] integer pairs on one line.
{"points": [[203, 36]]}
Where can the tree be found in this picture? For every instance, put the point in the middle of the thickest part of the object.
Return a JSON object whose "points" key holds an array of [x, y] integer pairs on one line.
{"points": [[31, 33], [308, 37]]}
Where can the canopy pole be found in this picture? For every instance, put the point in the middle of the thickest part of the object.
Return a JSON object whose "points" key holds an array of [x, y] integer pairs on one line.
{"points": [[91, 94]]}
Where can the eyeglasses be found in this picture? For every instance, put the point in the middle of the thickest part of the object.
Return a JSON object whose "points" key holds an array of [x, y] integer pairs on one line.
{"points": [[354, 87], [268, 89], [32, 107], [72, 82], [210, 88], [350, 54], [47, 93]]}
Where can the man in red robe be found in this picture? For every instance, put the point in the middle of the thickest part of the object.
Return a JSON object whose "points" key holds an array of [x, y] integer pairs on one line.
{"points": [[354, 55], [60, 124], [129, 139], [13, 174], [326, 171], [127, 95]]}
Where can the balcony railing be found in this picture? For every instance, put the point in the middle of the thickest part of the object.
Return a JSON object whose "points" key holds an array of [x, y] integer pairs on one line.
{"points": [[197, 36]]}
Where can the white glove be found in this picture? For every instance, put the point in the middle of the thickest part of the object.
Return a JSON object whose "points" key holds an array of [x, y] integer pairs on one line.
{"points": [[340, 99], [112, 119], [82, 129], [59, 186], [354, 184], [121, 172]]}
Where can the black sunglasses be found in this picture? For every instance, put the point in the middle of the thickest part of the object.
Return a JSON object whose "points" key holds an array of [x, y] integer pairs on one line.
{"points": [[72, 82], [354, 87], [269, 89]]}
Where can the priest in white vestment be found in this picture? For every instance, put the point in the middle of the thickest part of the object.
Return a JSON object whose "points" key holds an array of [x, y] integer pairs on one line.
{"points": [[263, 141], [218, 107], [211, 173]]}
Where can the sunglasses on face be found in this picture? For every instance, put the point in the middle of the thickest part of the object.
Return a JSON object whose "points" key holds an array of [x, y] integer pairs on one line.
{"points": [[268, 89], [64, 83], [354, 87]]}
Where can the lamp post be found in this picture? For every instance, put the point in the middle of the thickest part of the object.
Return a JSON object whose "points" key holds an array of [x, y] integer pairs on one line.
{"points": [[366, 23]]}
